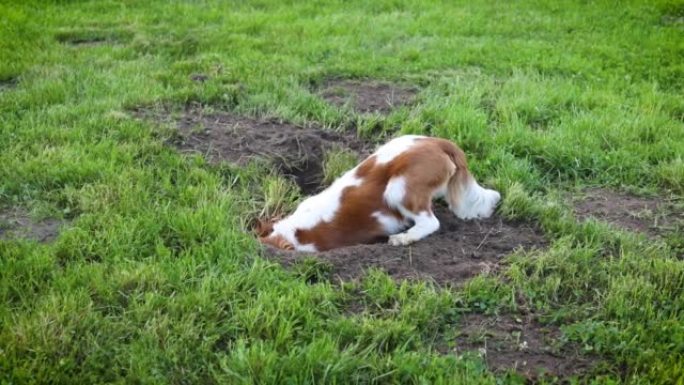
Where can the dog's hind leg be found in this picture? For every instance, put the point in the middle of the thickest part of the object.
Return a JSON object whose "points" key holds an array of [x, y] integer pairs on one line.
{"points": [[424, 224], [414, 204]]}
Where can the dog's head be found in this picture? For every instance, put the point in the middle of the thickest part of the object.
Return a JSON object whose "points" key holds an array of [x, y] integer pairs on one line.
{"points": [[264, 230]]}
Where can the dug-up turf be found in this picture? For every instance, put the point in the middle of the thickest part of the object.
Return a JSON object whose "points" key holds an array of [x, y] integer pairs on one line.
{"points": [[296, 151], [650, 216], [521, 343], [457, 252], [367, 96], [16, 223]]}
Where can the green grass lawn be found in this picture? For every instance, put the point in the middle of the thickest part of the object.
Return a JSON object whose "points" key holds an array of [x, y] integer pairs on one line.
{"points": [[153, 278]]}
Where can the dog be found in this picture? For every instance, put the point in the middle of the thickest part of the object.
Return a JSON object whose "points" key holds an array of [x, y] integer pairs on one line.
{"points": [[389, 194]]}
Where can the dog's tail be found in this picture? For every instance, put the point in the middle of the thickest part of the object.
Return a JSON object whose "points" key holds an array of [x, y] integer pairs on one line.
{"points": [[458, 182]]}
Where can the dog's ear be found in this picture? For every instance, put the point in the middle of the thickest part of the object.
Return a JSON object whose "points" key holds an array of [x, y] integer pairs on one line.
{"points": [[263, 228]]}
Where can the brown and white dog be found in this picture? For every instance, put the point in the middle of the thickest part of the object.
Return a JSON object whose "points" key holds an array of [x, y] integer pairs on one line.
{"points": [[390, 194]]}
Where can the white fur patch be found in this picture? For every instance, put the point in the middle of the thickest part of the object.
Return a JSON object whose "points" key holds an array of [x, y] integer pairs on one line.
{"points": [[314, 210], [394, 147], [390, 224], [441, 191], [425, 223], [308, 248], [395, 191], [476, 201]]}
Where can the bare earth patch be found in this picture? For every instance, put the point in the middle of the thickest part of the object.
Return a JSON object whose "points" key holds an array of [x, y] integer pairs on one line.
{"points": [[199, 77], [17, 224], [520, 343], [367, 96], [92, 37], [651, 216], [672, 20], [459, 251], [673, 15], [296, 151]]}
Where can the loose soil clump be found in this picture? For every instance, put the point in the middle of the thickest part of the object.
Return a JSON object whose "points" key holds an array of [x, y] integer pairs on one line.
{"points": [[296, 151], [17, 224], [650, 216], [367, 96], [521, 343], [457, 252]]}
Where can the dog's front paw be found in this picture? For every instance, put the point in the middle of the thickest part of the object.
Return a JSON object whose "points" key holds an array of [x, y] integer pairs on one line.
{"points": [[401, 239]]}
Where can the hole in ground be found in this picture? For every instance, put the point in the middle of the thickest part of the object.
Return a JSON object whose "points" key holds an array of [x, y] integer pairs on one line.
{"points": [[367, 96], [457, 252], [16, 223], [296, 151]]}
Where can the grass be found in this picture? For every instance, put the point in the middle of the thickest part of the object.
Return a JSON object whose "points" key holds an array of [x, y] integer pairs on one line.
{"points": [[280, 196], [155, 279], [336, 162]]}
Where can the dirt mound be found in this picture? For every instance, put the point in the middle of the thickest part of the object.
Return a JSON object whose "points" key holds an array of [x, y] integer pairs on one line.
{"points": [[367, 96], [458, 251], [17, 224], [296, 151], [651, 216], [520, 343]]}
